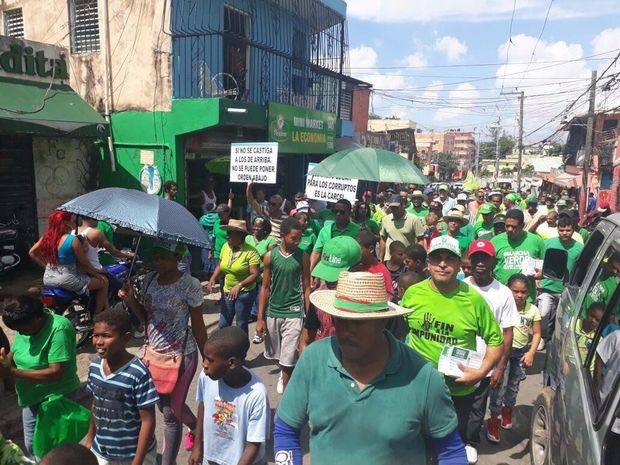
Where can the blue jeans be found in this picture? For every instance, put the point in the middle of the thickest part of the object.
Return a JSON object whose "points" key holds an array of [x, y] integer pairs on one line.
{"points": [[512, 379], [259, 290], [239, 308]]}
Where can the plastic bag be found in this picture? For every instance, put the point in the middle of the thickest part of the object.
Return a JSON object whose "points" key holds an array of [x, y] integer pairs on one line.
{"points": [[59, 421], [11, 454]]}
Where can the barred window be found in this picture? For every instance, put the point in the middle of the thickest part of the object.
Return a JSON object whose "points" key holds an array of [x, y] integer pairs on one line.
{"points": [[14, 23], [84, 23]]}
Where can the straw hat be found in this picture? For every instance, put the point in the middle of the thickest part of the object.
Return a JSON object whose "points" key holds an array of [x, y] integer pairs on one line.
{"points": [[235, 225], [358, 296], [456, 214]]}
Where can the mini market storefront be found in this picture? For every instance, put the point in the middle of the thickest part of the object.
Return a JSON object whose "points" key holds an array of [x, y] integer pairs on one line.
{"points": [[48, 135], [192, 141]]}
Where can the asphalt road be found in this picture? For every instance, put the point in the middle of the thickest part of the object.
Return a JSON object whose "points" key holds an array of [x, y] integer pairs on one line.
{"points": [[512, 450]]}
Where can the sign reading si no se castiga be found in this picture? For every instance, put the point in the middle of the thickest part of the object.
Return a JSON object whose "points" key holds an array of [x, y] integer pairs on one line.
{"points": [[33, 61], [301, 130]]}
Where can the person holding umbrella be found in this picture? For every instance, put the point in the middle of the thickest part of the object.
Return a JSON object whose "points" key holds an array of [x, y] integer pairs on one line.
{"points": [[240, 265], [171, 306]]}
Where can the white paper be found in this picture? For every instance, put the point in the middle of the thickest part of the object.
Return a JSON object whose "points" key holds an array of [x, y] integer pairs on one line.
{"points": [[330, 189], [451, 356], [147, 157], [529, 266], [254, 162]]}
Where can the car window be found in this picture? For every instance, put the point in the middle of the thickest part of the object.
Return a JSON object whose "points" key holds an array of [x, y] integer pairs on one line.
{"points": [[597, 333], [590, 251]]}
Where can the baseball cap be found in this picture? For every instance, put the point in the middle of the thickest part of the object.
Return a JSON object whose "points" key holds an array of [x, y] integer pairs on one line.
{"points": [[531, 199], [561, 203], [302, 206], [445, 243], [603, 206], [514, 197], [499, 219], [443, 187], [339, 254], [487, 208], [222, 208], [170, 247], [462, 196], [395, 200], [482, 246], [417, 194]]}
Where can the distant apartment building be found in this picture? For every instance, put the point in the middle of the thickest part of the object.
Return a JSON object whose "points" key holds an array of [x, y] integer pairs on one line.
{"points": [[464, 147], [397, 135]]}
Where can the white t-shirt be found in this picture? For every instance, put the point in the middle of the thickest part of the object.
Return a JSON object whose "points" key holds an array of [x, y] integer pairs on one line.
{"points": [[609, 351], [502, 304], [233, 417]]}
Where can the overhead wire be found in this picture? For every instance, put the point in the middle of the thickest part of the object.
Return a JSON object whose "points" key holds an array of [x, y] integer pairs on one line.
{"points": [[509, 43]]}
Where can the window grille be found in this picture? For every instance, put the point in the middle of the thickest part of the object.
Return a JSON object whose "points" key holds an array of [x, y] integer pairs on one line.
{"points": [[14, 23], [84, 23]]}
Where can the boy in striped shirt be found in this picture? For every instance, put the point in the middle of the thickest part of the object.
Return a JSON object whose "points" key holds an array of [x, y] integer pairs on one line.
{"points": [[123, 410]]}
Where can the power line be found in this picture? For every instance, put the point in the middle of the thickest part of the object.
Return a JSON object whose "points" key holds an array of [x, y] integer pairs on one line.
{"points": [[512, 17], [542, 30]]}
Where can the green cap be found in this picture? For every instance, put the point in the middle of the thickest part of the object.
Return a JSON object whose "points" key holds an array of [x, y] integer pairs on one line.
{"points": [[339, 254], [561, 203], [173, 248], [514, 197], [487, 208], [444, 187]]}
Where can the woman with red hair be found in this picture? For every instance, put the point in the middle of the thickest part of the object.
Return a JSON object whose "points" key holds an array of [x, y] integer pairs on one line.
{"points": [[63, 256]]}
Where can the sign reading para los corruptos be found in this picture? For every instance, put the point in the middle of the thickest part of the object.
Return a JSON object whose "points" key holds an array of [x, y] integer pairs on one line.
{"points": [[330, 189], [254, 162]]}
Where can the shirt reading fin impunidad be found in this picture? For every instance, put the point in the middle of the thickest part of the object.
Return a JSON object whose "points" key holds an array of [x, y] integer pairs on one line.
{"points": [[438, 319]]}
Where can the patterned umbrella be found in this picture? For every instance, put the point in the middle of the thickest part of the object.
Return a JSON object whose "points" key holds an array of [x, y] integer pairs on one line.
{"points": [[147, 214]]}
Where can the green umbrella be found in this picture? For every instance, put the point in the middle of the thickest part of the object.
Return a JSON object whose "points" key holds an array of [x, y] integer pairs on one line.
{"points": [[219, 165], [369, 164]]}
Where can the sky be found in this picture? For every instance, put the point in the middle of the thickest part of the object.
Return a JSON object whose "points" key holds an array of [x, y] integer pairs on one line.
{"points": [[444, 63]]}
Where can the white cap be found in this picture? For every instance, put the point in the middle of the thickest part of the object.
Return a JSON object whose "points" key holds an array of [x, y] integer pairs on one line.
{"points": [[461, 196], [445, 243]]}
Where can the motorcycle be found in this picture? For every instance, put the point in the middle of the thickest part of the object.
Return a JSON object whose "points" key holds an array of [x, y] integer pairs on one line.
{"points": [[79, 308], [9, 258]]}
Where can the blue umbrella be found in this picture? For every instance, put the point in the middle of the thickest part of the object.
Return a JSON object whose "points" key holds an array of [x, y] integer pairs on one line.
{"points": [[147, 214]]}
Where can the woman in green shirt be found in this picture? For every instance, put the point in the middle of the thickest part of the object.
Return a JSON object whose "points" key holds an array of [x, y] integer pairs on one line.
{"points": [[42, 358], [308, 237]]}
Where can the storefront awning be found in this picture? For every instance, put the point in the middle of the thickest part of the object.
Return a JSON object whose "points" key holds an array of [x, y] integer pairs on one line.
{"points": [[33, 107], [567, 180]]}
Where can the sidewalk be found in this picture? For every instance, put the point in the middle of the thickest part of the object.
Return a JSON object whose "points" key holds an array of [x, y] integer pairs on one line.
{"points": [[10, 413]]}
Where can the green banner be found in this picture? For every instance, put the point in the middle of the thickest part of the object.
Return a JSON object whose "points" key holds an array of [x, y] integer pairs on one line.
{"points": [[300, 130]]}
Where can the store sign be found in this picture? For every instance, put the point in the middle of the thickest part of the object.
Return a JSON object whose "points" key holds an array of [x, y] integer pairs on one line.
{"points": [[254, 162], [34, 61], [330, 189], [300, 130]]}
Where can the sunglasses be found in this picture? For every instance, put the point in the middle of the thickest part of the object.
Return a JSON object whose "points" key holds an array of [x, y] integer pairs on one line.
{"points": [[340, 212]]}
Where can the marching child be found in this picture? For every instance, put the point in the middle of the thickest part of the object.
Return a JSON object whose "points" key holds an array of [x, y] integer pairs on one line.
{"points": [[521, 356], [233, 408], [122, 429], [396, 263]]}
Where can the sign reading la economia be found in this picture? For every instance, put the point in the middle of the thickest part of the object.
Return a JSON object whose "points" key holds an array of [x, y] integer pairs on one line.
{"points": [[33, 61], [301, 130]]}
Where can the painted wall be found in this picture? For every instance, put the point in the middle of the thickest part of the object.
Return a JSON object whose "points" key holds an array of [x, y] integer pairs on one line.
{"points": [[63, 169], [140, 51]]}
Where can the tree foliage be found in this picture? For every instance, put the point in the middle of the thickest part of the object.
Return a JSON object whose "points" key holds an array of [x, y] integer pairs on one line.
{"points": [[447, 165], [506, 144]]}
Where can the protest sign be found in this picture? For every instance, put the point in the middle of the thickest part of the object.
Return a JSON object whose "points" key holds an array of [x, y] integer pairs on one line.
{"points": [[330, 189], [254, 162]]}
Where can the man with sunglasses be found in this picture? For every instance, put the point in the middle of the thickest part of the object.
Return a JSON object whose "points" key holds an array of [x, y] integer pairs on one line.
{"points": [[342, 226]]}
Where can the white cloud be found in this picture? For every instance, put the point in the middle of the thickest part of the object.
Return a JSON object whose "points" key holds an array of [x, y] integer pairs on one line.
{"points": [[415, 60], [608, 41], [406, 11], [450, 46], [364, 61], [462, 110]]}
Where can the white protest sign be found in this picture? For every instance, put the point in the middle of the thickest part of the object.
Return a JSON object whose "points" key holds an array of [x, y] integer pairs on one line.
{"points": [[330, 189], [254, 162]]}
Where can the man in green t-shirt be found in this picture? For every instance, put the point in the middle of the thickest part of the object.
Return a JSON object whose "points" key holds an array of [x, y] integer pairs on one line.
{"points": [[550, 290], [417, 206], [343, 226], [368, 399], [285, 288], [483, 229], [606, 284], [515, 246], [449, 312]]}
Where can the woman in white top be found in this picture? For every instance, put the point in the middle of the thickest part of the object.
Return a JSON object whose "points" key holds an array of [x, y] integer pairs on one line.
{"points": [[96, 240]]}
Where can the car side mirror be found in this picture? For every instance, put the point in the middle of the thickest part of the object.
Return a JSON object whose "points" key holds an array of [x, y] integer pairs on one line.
{"points": [[555, 264]]}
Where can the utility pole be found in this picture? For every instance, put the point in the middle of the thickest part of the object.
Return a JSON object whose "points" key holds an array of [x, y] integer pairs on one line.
{"points": [[497, 129], [588, 149], [520, 146], [477, 156]]}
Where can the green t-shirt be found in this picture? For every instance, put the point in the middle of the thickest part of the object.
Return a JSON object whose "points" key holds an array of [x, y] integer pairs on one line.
{"points": [[262, 246], [421, 213], [455, 319], [54, 343], [483, 231], [468, 230], [573, 250], [522, 331], [584, 233], [602, 291], [221, 236], [286, 295], [464, 241], [106, 259], [510, 254], [330, 230], [384, 424], [371, 226], [323, 216], [308, 238], [236, 265]]}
